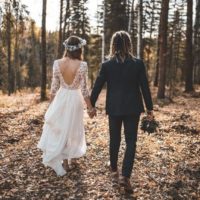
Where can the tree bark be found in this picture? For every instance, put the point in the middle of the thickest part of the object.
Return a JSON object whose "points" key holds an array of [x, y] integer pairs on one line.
{"points": [[67, 15], [16, 59], [188, 52], [197, 44], [43, 74], [60, 39], [163, 49], [8, 41], [103, 35], [130, 21], [157, 59], [140, 25]]}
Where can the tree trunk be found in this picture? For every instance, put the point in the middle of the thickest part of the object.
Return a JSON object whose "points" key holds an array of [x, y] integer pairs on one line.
{"points": [[130, 21], [103, 35], [157, 58], [197, 44], [150, 35], [1, 54], [163, 49], [43, 75], [140, 24], [8, 41], [188, 51], [174, 53], [16, 59], [67, 15], [60, 39]]}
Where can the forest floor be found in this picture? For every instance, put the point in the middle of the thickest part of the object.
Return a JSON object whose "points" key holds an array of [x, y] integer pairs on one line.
{"points": [[167, 164]]}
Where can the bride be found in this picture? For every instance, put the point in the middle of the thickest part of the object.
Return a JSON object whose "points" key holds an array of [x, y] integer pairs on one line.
{"points": [[63, 136]]}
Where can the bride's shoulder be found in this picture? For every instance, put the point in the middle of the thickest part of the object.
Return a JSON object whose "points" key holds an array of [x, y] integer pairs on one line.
{"points": [[58, 62], [55, 62], [84, 65]]}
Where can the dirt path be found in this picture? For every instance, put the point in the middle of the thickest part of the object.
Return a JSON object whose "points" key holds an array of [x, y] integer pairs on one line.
{"points": [[166, 166]]}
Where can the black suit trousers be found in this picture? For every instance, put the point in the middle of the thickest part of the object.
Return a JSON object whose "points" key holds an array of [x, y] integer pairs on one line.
{"points": [[130, 123]]}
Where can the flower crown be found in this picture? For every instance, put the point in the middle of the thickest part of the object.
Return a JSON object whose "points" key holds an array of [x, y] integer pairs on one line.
{"points": [[74, 47]]}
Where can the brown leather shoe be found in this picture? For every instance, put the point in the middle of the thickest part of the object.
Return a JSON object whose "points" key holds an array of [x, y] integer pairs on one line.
{"points": [[125, 182]]}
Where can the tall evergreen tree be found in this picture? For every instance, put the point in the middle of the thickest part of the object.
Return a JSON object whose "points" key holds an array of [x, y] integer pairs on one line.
{"points": [[163, 49], [151, 13], [189, 49], [197, 44], [79, 18], [115, 19], [20, 17], [3, 67], [43, 55], [33, 63], [14, 15], [140, 27], [66, 24], [8, 42], [60, 37]]}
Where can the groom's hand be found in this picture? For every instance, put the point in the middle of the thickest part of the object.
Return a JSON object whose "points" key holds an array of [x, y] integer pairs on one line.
{"points": [[150, 115], [92, 112]]}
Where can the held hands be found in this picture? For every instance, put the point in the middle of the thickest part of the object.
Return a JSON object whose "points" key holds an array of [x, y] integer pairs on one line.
{"points": [[92, 112]]}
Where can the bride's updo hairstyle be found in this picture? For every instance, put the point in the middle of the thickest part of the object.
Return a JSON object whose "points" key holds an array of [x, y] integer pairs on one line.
{"points": [[73, 47], [121, 46]]}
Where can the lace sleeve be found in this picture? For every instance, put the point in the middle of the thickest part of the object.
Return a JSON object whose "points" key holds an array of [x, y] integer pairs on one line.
{"points": [[84, 74], [55, 84]]}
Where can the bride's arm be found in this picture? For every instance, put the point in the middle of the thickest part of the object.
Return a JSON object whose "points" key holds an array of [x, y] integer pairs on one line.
{"points": [[85, 91], [55, 84]]}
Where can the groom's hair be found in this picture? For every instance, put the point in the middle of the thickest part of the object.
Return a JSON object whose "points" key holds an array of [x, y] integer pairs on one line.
{"points": [[76, 54], [121, 45]]}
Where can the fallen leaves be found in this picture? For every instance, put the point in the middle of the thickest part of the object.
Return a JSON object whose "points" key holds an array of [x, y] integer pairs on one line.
{"points": [[166, 164]]}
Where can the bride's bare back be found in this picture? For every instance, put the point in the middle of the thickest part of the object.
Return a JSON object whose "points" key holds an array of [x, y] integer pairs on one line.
{"points": [[68, 68]]}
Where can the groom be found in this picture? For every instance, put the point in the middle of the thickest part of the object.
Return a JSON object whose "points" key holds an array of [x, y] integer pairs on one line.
{"points": [[127, 83]]}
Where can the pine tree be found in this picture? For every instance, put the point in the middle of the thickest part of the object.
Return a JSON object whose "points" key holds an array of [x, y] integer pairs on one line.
{"points": [[188, 51], [14, 16], [66, 24], [140, 27], [33, 63], [43, 53], [8, 42], [150, 30], [60, 37], [79, 20], [163, 49], [20, 15], [197, 44], [2, 60], [115, 19]]}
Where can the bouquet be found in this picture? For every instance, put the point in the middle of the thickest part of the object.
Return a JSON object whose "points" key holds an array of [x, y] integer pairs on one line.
{"points": [[149, 125]]}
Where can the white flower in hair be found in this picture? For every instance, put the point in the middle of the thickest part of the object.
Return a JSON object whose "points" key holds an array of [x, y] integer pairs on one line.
{"points": [[74, 47]]}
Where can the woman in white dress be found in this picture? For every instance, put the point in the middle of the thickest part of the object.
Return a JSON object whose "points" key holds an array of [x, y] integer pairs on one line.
{"points": [[63, 136]]}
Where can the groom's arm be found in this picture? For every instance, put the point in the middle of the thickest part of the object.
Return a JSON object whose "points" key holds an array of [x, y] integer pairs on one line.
{"points": [[146, 93], [99, 83]]}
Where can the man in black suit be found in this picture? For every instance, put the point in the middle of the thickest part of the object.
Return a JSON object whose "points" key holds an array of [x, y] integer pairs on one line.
{"points": [[127, 83]]}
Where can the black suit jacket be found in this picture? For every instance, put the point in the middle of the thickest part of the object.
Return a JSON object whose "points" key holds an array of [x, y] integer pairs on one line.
{"points": [[126, 84]]}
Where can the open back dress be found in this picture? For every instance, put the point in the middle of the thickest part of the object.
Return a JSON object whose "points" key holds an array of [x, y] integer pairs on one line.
{"points": [[63, 135]]}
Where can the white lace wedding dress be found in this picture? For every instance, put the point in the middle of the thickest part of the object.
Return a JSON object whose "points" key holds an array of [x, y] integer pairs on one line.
{"points": [[63, 135]]}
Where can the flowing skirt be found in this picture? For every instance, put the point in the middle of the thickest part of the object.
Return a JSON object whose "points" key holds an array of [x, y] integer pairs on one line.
{"points": [[63, 135]]}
